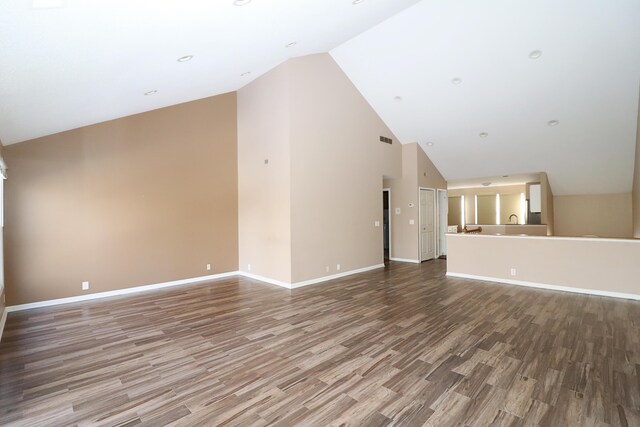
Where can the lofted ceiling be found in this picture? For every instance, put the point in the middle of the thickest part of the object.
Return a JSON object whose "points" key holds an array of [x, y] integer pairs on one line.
{"points": [[586, 79], [69, 63], [439, 72]]}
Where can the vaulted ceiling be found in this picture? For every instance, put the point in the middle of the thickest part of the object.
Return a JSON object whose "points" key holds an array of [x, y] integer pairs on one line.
{"points": [[463, 78], [490, 88]]}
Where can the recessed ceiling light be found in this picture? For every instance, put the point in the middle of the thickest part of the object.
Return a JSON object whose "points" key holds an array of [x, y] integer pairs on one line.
{"points": [[483, 134], [429, 144], [185, 58], [241, 2], [486, 184], [357, 1], [535, 54], [553, 123], [291, 44], [456, 80], [397, 98], [151, 92], [245, 74]]}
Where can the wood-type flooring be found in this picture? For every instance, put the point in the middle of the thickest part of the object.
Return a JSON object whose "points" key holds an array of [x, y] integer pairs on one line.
{"points": [[403, 345]]}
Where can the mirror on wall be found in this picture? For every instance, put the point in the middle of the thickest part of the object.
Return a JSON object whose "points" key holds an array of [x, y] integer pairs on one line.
{"points": [[486, 209], [512, 208]]}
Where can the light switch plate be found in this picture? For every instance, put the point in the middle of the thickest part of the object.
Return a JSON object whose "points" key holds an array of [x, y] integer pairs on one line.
{"points": [[411, 222], [377, 223]]}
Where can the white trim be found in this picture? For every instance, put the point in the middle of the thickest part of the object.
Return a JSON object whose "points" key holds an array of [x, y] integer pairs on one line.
{"points": [[264, 279], [3, 320], [546, 286], [413, 261], [118, 292], [194, 280], [435, 210], [516, 236], [335, 276]]}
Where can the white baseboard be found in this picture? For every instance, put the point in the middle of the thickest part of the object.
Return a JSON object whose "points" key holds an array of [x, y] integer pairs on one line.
{"points": [[307, 282], [193, 280], [335, 276], [118, 292], [3, 320], [413, 261], [547, 286], [264, 279]]}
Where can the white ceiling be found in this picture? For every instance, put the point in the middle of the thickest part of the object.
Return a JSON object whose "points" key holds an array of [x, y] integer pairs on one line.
{"points": [[587, 78], [494, 181], [91, 61]]}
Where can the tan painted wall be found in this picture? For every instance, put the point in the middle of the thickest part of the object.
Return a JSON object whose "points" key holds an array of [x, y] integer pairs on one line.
{"points": [[606, 265], [548, 209], [265, 189], [417, 171], [604, 215], [139, 200], [337, 168], [636, 183], [2, 292]]}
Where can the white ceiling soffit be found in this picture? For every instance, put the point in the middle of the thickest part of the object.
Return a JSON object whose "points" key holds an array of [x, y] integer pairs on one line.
{"points": [[70, 63], [493, 181], [586, 79]]}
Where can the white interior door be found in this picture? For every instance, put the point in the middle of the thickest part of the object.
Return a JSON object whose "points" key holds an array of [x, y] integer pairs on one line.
{"points": [[443, 214], [427, 225]]}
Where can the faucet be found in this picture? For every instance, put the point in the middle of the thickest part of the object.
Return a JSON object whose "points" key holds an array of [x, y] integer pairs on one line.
{"points": [[512, 215]]}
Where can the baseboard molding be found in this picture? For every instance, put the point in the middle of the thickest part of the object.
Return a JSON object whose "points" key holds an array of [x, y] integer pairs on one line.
{"points": [[264, 279], [547, 286], [413, 261], [119, 292], [3, 320], [193, 280], [335, 276], [307, 282]]}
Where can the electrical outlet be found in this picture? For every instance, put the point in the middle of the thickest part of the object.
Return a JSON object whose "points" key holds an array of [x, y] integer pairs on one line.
{"points": [[248, 267], [411, 222], [85, 286], [327, 268], [208, 267], [513, 271], [338, 267], [376, 224]]}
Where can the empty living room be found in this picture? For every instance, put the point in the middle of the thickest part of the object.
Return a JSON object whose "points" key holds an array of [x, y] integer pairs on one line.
{"points": [[319, 213]]}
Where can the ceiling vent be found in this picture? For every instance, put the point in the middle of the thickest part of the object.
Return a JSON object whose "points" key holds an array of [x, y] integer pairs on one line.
{"points": [[387, 140]]}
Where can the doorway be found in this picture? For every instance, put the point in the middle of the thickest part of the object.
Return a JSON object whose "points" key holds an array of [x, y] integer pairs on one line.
{"points": [[443, 219], [427, 224], [386, 223]]}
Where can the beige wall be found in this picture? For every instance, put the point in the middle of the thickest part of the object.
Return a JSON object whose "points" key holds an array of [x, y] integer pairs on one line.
{"points": [[604, 215], [337, 167], [548, 208], [636, 183], [417, 171], [2, 292], [139, 200], [604, 265], [315, 203], [264, 190]]}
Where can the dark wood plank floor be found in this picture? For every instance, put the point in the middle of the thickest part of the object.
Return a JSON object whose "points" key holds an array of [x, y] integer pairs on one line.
{"points": [[402, 345]]}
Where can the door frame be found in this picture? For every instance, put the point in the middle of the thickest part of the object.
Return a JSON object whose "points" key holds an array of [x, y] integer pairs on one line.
{"points": [[446, 218], [388, 190], [435, 228]]}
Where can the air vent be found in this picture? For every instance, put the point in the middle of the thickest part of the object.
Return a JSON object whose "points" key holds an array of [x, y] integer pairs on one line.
{"points": [[387, 140]]}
